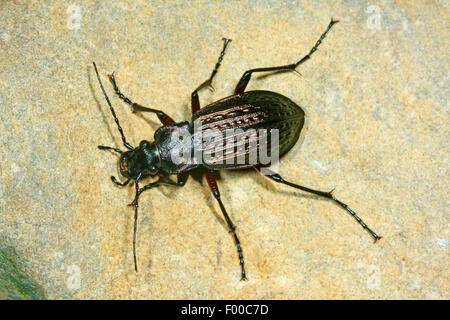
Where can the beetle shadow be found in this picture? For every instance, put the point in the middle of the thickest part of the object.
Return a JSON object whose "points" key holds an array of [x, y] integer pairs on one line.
{"points": [[271, 186], [130, 186], [152, 123], [187, 111], [269, 74], [197, 175], [186, 115], [268, 184]]}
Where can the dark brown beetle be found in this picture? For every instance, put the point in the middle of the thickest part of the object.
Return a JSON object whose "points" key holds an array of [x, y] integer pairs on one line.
{"points": [[258, 110]]}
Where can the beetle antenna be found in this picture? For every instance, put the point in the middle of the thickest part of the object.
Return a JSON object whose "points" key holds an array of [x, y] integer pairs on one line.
{"points": [[110, 148], [125, 143], [135, 205]]}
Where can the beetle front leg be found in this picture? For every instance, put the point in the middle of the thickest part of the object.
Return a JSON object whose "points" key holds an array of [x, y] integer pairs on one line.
{"points": [[329, 195], [181, 181], [243, 82], [195, 102], [215, 190], [182, 178], [135, 204], [164, 118]]}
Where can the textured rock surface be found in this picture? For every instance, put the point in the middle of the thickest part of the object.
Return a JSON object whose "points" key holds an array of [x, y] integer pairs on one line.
{"points": [[14, 283], [376, 98]]}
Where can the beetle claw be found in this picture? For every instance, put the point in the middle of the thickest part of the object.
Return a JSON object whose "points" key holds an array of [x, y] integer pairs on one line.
{"points": [[297, 72], [111, 77], [377, 238], [334, 21], [133, 204]]}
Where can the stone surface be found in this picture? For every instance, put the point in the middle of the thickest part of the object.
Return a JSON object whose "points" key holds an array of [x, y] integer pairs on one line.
{"points": [[14, 283], [376, 98]]}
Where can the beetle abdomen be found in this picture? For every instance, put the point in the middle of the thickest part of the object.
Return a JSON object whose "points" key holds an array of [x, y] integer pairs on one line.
{"points": [[236, 120]]}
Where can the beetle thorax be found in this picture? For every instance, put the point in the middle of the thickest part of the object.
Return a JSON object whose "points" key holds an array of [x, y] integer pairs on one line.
{"points": [[142, 160]]}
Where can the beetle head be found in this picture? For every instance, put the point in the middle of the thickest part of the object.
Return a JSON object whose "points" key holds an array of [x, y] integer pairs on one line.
{"points": [[141, 160], [138, 162]]}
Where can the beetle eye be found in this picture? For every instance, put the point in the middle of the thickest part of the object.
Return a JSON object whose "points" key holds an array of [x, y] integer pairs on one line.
{"points": [[124, 166], [153, 170], [143, 144]]}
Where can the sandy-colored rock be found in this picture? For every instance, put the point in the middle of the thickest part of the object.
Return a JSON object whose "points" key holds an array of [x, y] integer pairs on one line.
{"points": [[377, 128]]}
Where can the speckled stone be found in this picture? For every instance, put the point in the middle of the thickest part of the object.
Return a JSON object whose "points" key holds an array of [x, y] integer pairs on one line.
{"points": [[14, 282], [377, 129]]}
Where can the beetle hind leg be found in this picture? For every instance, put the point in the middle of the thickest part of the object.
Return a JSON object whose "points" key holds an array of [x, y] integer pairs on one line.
{"points": [[243, 82], [215, 190], [329, 195]]}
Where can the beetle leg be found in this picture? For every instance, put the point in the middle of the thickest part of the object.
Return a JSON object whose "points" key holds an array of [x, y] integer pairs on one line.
{"points": [[243, 82], [195, 102], [181, 181], [164, 118], [135, 205], [116, 182], [215, 190], [329, 195], [182, 178]]}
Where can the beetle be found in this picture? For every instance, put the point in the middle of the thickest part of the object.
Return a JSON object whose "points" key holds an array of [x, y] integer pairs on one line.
{"points": [[243, 110]]}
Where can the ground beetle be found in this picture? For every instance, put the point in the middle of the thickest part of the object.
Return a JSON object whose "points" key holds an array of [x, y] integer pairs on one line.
{"points": [[243, 110]]}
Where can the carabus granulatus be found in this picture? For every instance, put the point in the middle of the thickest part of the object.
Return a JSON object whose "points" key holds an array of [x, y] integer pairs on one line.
{"points": [[244, 110]]}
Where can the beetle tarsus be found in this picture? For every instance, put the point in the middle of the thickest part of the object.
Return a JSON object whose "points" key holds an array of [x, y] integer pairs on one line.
{"points": [[377, 238]]}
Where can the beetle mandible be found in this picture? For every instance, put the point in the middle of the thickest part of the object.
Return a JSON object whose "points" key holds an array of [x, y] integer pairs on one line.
{"points": [[243, 110]]}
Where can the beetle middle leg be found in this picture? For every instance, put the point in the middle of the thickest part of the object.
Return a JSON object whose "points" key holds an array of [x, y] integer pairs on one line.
{"points": [[215, 190], [329, 195], [195, 102], [243, 82], [163, 117]]}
